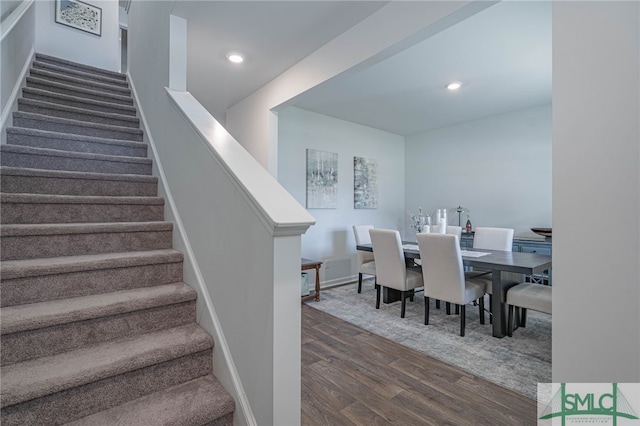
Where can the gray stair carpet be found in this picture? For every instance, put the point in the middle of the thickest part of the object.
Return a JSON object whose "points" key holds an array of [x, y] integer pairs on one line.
{"points": [[97, 325]]}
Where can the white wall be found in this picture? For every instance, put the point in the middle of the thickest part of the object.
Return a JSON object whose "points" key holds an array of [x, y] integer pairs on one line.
{"points": [[76, 45], [331, 238], [596, 192], [8, 6], [499, 168]]}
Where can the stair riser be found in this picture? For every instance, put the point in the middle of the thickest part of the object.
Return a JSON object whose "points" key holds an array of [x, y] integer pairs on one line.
{"points": [[13, 159], [42, 288], [11, 212], [79, 74], [61, 186], [76, 129], [98, 72], [23, 346], [76, 146], [80, 94], [83, 83], [35, 246], [66, 406], [76, 104], [79, 116]]}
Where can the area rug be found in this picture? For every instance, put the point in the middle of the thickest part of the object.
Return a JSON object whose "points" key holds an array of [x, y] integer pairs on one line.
{"points": [[517, 363]]}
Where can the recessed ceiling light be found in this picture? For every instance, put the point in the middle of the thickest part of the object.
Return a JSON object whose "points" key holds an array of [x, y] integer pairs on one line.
{"points": [[454, 85], [235, 57]]}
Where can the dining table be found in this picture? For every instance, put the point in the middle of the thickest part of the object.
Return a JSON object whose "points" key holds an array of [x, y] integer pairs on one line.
{"points": [[496, 261]]}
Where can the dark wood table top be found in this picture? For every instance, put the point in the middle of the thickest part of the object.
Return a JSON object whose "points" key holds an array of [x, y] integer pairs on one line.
{"points": [[508, 261]]}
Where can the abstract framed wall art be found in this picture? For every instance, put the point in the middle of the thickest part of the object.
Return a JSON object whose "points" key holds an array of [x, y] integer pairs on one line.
{"points": [[79, 15], [322, 179], [365, 183]]}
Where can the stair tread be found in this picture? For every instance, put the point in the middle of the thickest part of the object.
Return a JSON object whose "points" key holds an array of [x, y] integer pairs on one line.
{"points": [[63, 311], [82, 228], [62, 70], [6, 197], [42, 92], [66, 174], [71, 122], [48, 152], [198, 401], [45, 104], [45, 57], [12, 269], [43, 376], [46, 74], [105, 95], [71, 136]]}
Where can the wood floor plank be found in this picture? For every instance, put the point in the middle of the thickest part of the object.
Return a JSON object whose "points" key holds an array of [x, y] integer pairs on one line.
{"points": [[367, 377], [382, 406], [351, 376], [360, 414], [322, 404], [480, 395], [434, 411]]}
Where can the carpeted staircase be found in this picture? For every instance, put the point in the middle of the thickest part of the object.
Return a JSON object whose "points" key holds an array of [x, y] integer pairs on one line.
{"points": [[97, 326]]}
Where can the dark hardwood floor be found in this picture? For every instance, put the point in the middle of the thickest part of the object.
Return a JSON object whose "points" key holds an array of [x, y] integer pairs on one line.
{"points": [[353, 377]]}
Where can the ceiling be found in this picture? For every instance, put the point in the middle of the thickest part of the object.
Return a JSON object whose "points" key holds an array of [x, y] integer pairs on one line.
{"points": [[502, 55], [273, 36]]}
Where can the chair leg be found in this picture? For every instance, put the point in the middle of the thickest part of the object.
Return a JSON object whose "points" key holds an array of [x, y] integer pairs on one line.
{"points": [[426, 310], [510, 322], [437, 303], [447, 308], [378, 296], [457, 309], [516, 320], [481, 309], [523, 317], [490, 305], [411, 294], [359, 283], [403, 300], [462, 319]]}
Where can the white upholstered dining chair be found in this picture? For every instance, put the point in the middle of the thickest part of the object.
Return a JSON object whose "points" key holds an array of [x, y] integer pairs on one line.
{"points": [[444, 278], [451, 230], [490, 239], [527, 296], [493, 238], [366, 261], [391, 269]]}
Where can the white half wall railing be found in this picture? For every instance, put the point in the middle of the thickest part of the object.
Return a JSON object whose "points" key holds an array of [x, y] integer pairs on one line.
{"points": [[240, 232], [17, 41]]}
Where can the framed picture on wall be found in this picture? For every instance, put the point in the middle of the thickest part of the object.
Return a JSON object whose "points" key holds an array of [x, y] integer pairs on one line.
{"points": [[322, 179], [365, 183], [79, 15]]}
